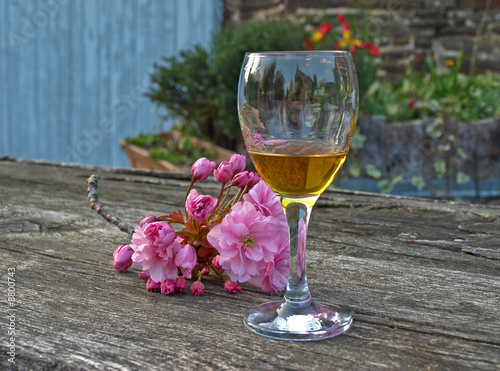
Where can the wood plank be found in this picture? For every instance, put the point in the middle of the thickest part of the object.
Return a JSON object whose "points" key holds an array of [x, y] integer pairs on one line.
{"points": [[420, 298]]}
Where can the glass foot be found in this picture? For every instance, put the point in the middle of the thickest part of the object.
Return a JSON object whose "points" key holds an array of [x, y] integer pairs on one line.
{"points": [[286, 320]]}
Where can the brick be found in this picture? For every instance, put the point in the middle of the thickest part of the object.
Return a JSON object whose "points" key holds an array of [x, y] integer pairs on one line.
{"points": [[457, 43], [477, 4], [464, 30], [423, 42], [250, 6]]}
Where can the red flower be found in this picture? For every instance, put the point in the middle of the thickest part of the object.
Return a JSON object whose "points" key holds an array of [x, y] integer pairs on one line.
{"points": [[318, 35], [355, 44]]}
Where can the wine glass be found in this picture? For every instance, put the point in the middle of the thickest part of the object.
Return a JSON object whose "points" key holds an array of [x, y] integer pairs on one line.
{"points": [[298, 112]]}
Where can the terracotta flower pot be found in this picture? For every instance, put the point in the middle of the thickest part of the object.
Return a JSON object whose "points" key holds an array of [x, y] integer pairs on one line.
{"points": [[138, 158]]}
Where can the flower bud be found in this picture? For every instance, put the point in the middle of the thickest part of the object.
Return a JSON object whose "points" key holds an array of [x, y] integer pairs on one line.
{"points": [[197, 288], [143, 276], [232, 287], [205, 271], [167, 287], [224, 172], [180, 284], [148, 219], [186, 259], [241, 179], [202, 168], [239, 163], [216, 264], [152, 285], [122, 258]]}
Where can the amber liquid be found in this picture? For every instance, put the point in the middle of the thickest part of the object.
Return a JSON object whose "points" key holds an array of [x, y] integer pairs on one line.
{"points": [[299, 168]]}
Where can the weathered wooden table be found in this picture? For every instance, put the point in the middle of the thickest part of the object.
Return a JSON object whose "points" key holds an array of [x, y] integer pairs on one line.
{"points": [[421, 277]]}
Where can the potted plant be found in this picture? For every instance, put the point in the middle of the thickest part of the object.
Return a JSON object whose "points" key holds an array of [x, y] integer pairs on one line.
{"points": [[170, 151]]}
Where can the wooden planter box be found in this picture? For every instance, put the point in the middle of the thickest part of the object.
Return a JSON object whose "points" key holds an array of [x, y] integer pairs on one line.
{"points": [[138, 158]]}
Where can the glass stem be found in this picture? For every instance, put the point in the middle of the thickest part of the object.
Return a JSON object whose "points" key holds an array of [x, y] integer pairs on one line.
{"points": [[297, 211]]}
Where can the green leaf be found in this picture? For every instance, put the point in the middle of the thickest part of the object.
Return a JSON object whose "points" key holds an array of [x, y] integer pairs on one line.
{"points": [[435, 129], [385, 186], [440, 168], [462, 178], [396, 179], [372, 171], [444, 147], [418, 182], [354, 169], [461, 153], [358, 140]]}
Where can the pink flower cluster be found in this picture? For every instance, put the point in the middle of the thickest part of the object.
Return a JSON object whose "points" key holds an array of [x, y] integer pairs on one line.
{"points": [[252, 240], [245, 238]]}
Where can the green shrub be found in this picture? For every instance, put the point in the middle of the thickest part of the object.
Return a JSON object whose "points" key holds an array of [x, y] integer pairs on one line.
{"points": [[200, 86], [183, 85], [228, 51]]}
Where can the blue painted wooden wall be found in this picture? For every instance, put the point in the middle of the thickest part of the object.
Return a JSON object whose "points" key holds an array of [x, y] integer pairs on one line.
{"points": [[73, 72]]}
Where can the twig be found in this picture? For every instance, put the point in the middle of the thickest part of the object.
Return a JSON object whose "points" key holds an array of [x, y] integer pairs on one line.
{"points": [[97, 206]]}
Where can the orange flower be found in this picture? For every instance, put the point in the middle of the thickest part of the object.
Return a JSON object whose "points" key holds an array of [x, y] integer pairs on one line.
{"points": [[355, 44]]}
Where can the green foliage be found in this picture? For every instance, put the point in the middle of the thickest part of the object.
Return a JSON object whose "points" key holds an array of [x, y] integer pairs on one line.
{"points": [[429, 93], [184, 86], [146, 141], [387, 185], [180, 153], [228, 51], [202, 83]]}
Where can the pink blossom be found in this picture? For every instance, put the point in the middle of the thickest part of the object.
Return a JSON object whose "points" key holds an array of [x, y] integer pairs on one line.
{"points": [[232, 287], [197, 288], [199, 207], [167, 287], [246, 240], [202, 168], [274, 277], [152, 285], [152, 254], [239, 163], [122, 258], [180, 284], [263, 197], [159, 234], [224, 172], [186, 259]]}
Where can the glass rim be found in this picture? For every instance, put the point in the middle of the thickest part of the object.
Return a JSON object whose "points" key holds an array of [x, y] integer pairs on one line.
{"points": [[297, 52]]}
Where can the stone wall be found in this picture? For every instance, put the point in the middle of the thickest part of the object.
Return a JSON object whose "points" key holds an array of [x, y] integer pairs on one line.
{"points": [[406, 31], [406, 149]]}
